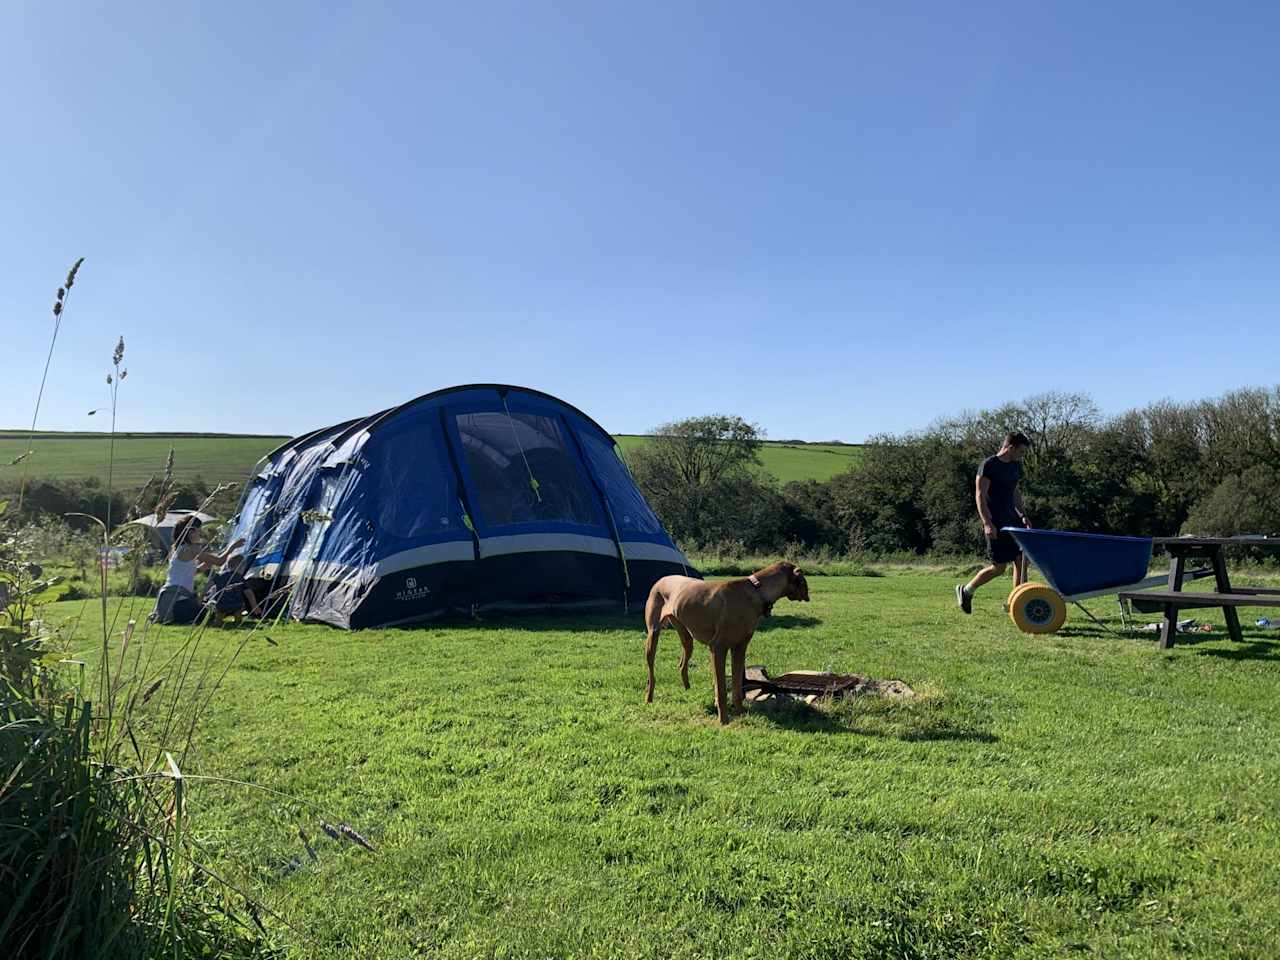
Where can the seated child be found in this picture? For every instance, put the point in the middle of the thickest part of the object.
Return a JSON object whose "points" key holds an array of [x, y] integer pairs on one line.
{"points": [[229, 592]]}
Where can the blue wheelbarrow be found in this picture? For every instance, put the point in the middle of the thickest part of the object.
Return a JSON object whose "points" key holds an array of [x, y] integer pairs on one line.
{"points": [[1078, 566]]}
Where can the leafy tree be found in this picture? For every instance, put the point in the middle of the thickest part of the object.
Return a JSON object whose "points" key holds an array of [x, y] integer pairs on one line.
{"points": [[697, 475], [1243, 503]]}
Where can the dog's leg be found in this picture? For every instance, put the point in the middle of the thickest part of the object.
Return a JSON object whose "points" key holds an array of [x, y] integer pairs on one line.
{"points": [[739, 672], [717, 678], [653, 627], [686, 642]]}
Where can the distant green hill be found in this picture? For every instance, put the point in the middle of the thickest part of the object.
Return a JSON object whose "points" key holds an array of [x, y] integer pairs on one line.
{"points": [[217, 458], [221, 458], [789, 461]]}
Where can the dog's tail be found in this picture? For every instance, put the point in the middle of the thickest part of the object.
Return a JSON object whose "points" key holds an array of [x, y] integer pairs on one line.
{"points": [[653, 627]]}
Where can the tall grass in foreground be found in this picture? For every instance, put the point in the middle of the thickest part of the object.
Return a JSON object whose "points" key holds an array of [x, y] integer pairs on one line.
{"points": [[59, 304], [96, 858], [97, 854]]}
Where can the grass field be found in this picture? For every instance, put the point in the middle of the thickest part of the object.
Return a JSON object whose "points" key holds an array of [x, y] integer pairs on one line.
{"points": [[790, 461], [229, 458], [215, 458], [1076, 795]]}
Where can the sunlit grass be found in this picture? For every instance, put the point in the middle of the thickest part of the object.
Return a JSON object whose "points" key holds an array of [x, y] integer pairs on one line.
{"points": [[1077, 792]]}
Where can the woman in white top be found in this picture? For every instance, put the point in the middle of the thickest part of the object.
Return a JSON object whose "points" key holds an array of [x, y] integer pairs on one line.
{"points": [[177, 602]]}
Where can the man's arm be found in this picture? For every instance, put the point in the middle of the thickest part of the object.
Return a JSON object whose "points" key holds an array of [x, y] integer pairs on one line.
{"points": [[984, 509]]}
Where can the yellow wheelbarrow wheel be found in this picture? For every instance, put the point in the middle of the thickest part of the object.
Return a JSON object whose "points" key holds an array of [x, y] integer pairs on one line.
{"points": [[1035, 608], [1008, 604]]}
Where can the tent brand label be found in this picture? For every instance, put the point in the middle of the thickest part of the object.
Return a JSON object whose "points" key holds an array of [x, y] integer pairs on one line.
{"points": [[412, 591]]}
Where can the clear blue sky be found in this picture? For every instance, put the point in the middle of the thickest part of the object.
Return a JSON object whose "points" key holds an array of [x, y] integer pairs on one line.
{"points": [[834, 219]]}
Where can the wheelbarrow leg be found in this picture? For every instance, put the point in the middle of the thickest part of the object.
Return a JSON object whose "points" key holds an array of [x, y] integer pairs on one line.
{"points": [[1083, 609]]}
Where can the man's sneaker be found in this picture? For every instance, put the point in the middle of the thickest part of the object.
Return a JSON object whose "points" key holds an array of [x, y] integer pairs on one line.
{"points": [[963, 598]]}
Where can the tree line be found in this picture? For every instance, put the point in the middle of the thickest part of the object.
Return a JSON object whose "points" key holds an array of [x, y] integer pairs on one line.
{"points": [[1211, 467]]}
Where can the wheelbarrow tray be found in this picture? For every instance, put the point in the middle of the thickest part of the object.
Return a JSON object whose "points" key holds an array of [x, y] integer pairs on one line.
{"points": [[1082, 565]]}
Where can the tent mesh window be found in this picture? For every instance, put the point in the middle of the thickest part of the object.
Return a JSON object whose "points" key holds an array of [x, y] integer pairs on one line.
{"points": [[417, 497], [290, 505], [522, 470], [255, 504], [630, 511], [332, 486]]}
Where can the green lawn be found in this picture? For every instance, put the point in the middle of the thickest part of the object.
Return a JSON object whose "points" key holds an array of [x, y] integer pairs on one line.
{"points": [[227, 458], [1080, 794]]}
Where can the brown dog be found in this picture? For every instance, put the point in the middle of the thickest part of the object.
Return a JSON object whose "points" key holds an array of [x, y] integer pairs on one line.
{"points": [[723, 615]]}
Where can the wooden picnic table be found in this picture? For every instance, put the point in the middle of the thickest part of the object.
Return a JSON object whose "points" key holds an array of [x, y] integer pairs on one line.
{"points": [[1182, 549]]}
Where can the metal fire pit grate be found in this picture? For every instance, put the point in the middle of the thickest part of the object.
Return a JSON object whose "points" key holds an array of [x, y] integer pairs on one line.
{"points": [[824, 685], [803, 684]]}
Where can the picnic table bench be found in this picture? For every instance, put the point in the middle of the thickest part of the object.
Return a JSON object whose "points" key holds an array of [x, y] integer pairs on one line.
{"points": [[1180, 550]]}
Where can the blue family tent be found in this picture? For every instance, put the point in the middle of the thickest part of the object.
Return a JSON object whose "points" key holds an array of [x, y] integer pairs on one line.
{"points": [[473, 498]]}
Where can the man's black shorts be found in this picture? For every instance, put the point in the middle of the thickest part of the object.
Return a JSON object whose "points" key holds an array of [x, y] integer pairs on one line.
{"points": [[1003, 549]]}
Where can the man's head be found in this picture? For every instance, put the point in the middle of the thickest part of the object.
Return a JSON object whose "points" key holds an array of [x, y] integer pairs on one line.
{"points": [[1015, 446]]}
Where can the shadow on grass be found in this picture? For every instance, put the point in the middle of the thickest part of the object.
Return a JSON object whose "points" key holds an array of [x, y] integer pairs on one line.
{"points": [[1249, 650], [1253, 647], [787, 621], [1152, 637], [560, 621], [1094, 632], [534, 620], [883, 721]]}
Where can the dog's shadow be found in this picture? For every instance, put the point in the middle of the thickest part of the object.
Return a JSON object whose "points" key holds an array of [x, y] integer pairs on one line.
{"points": [[787, 621]]}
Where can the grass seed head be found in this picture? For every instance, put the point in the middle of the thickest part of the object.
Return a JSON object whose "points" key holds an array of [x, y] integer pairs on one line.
{"points": [[350, 834], [163, 505], [127, 636]]}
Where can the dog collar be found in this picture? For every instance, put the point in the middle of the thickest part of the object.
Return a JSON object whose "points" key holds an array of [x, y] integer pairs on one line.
{"points": [[755, 582]]}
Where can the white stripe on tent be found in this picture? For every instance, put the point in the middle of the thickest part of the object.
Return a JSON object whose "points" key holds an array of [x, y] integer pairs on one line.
{"points": [[644, 550], [320, 571], [463, 550], [544, 542], [405, 560], [447, 552]]}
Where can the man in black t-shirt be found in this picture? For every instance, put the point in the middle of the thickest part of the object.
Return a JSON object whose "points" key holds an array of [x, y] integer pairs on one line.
{"points": [[999, 505]]}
